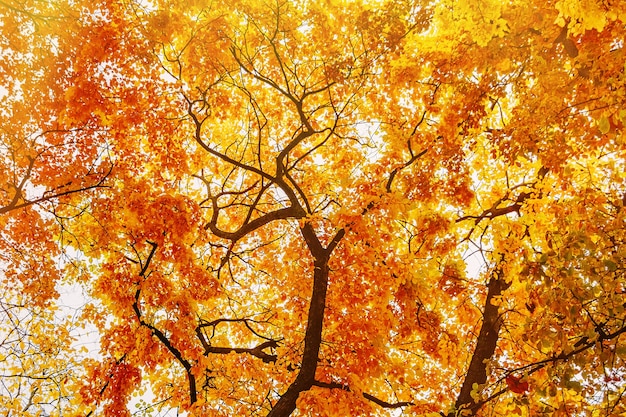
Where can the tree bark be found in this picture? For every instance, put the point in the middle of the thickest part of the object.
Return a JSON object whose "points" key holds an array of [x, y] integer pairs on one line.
{"points": [[313, 336], [485, 344]]}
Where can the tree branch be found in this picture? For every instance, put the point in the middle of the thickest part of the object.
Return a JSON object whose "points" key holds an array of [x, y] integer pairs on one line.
{"points": [[162, 337], [280, 214], [256, 351], [485, 344], [580, 346], [370, 397], [13, 205], [393, 173], [313, 335], [495, 211]]}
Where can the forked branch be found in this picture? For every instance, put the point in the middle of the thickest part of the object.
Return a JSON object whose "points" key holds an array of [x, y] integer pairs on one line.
{"points": [[162, 337]]}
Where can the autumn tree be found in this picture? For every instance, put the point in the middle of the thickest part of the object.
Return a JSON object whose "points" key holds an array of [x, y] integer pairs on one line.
{"points": [[313, 208]]}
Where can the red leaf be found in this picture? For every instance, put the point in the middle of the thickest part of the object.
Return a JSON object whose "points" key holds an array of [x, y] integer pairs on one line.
{"points": [[516, 385]]}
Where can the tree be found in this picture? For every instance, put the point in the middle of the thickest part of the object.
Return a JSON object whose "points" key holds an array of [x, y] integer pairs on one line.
{"points": [[326, 208]]}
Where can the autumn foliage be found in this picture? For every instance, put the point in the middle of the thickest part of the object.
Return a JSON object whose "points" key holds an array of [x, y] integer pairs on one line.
{"points": [[312, 208]]}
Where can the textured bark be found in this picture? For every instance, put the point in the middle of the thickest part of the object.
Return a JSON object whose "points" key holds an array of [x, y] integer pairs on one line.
{"points": [[485, 344], [313, 336]]}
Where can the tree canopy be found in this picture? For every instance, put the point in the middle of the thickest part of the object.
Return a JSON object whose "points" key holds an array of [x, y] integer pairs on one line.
{"points": [[313, 208]]}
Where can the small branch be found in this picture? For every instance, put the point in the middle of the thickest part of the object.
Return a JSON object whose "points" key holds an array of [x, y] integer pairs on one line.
{"points": [[414, 157], [370, 397], [198, 138], [581, 346], [30, 399], [245, 321], [495, 211], [144, 269], [335, 241], [395, 172], [161, 336], [256, 351], [14, 206], [280, 214]]}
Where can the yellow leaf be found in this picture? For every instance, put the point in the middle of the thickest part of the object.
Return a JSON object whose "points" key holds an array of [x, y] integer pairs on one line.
{"points": [[604, 125]]}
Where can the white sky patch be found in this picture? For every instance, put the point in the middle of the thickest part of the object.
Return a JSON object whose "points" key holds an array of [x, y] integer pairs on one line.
{"points": [[72, 300]]}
